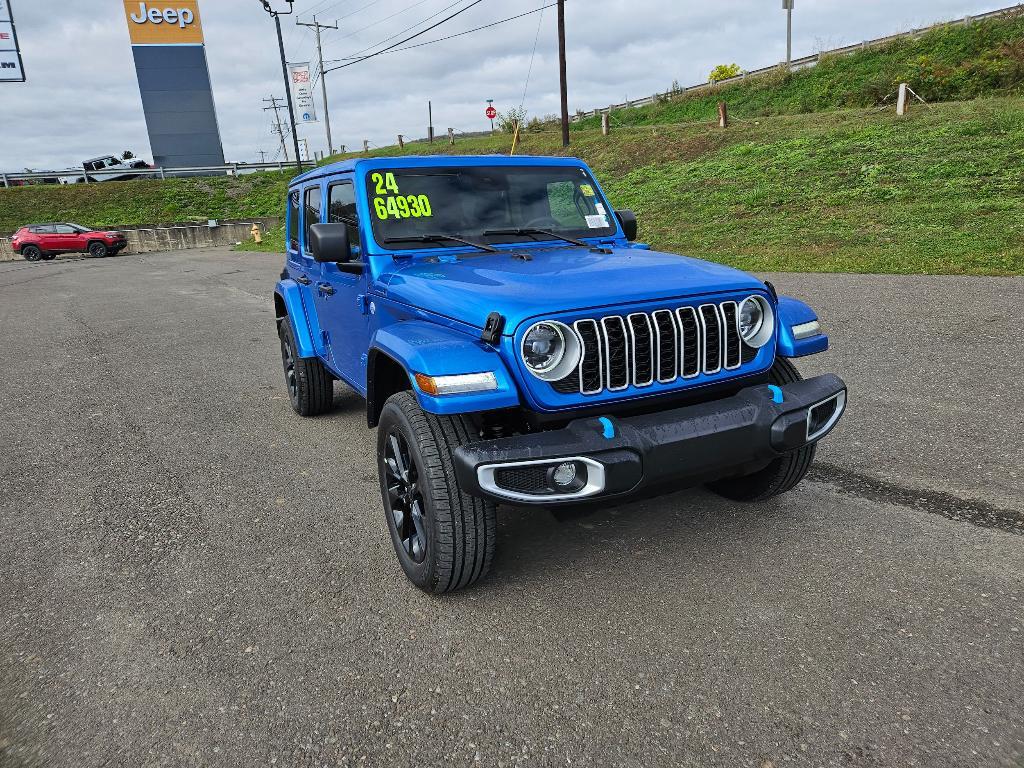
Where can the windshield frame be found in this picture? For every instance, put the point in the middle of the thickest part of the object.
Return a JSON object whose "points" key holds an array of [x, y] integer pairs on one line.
{"points": [[378, 236]]}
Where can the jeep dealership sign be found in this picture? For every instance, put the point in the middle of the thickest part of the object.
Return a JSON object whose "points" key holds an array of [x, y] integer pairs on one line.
{"points": [[11, 68], [174, 80]]}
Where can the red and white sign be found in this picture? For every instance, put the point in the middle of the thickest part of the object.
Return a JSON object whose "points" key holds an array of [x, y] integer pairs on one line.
{"points": [[491, 113]]}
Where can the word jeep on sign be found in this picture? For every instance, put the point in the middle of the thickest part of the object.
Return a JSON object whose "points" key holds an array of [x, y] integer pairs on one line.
{"points": [[174, 22]]}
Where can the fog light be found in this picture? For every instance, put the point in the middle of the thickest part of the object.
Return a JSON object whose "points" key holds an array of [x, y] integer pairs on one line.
{"points": [[564, 474]]}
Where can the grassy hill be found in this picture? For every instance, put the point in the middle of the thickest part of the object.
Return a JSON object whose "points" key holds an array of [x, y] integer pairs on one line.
{"points": [[800, 182], [945, 64]]}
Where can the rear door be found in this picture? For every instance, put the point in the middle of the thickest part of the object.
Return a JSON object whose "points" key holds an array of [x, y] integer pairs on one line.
{"points": [[47, 237]]}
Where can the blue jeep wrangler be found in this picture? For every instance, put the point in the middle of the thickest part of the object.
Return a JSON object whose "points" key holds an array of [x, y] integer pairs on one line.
{"points": [[515, 344]]}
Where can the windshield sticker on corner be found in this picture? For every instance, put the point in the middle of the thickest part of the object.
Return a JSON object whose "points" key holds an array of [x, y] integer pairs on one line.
{"points": [[587, 190], [597, 222]]}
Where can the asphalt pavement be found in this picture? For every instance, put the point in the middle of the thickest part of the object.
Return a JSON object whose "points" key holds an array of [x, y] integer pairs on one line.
{"points": [[191, 575]]}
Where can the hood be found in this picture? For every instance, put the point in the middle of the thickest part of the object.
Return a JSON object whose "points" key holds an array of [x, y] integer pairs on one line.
{"points": [[554, 280]]}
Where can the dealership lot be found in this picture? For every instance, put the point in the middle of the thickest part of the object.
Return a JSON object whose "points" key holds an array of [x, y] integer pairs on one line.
{"points": [[192, 575]]}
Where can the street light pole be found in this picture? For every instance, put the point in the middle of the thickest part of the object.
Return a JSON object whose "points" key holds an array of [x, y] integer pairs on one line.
{"points": [[284, 71], [562, 73], [787, 5]]}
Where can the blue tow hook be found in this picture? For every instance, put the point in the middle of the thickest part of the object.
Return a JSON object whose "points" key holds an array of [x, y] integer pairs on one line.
{"points": [[609, 428], [776, 394]]}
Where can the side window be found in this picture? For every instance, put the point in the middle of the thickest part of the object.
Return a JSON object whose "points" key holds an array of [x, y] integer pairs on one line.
{"points": [[45, 229], [311, 215], [341, 209], [293, 221], [64, 229]]}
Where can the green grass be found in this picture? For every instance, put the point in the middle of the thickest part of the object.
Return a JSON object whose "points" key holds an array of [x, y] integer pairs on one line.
{"points": [[938, 192], [946, 64]]}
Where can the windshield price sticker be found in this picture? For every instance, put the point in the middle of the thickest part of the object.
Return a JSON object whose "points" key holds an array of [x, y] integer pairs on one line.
{"points": [[597, 222], [391, 204]]}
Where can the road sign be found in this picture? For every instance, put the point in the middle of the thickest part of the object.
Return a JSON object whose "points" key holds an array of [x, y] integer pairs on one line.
{"points": [[11, 67], [491, 113]]}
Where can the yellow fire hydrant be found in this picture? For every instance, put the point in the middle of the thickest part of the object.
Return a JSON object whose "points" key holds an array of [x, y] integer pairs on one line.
{"points": [[257, 235]]}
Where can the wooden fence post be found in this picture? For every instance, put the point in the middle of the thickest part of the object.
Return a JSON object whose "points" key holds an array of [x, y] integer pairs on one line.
{"points": [[366, 146], [401, 142], [723, 115], [901, 103], [606, 123]]}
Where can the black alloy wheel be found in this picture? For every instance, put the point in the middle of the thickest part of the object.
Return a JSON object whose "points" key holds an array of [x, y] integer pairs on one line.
{"points": [[288, 360], [31, 253], [97, 250], [405, 497]]}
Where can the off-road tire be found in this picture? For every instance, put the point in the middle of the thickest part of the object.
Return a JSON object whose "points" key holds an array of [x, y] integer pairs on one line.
{"points": [[785, 472], [97, 250], [31, 253], [310, 386], [461, 530]]}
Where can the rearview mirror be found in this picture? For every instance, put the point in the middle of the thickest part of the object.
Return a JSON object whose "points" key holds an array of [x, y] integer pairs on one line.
{"points": [[329, 243], [628, 221]]}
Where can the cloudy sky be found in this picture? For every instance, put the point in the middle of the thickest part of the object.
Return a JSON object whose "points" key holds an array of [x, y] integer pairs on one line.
{"points": [[82, 100]]}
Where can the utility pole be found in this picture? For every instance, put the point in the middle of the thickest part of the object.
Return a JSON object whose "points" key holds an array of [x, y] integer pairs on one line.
{"points": [[787, 6], [263, 156], [277, 116], [284, 71], [323, 78], [562, 73]]}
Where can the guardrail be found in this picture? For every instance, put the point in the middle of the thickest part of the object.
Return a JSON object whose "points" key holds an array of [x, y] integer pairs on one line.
{"points": [[798, 64], [234, 169]]}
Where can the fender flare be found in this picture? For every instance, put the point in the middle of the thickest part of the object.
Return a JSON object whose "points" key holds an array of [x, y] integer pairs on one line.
{"points": [[434, 350], [291, 298], [793, 313]]}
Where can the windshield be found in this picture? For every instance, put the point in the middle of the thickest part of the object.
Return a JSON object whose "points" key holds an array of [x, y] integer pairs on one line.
{"points": [[472, 203], [79, 227]]}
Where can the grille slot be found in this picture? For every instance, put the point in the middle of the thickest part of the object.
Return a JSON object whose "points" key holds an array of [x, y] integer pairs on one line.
{"points": [[665, 345], [531, 480], [642, 335]]}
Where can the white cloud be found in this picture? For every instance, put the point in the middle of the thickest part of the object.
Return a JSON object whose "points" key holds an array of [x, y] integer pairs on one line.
{"points": [[82, 99]]}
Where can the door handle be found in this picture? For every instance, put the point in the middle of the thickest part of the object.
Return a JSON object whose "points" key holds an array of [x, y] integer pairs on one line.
{"points": [[303, 279], [326, 288]]}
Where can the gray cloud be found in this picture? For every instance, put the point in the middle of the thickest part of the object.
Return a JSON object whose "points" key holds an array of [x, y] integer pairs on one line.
{"points": [[82, 99]]}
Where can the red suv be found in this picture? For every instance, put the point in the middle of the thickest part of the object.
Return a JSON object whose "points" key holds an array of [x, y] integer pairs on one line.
{"points": [[45, 241]]}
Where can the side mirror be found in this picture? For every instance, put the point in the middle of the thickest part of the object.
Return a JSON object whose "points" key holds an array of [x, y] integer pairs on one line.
{"points": [[329, 243], [628, 221]]}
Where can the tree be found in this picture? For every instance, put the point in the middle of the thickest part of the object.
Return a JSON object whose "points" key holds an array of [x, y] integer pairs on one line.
{"points": [[127, 155], [724, 72]]}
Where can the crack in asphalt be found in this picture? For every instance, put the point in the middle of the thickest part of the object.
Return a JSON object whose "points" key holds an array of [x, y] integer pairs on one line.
{"points": [[973, 511]]}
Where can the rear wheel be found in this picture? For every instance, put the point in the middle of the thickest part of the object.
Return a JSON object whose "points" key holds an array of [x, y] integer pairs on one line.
{"points": [[785, 472], [97, 250], [444, 538], [310, 386], [31, 253]]}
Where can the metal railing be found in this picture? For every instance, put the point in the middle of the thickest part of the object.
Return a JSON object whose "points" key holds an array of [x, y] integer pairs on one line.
{"points": [[233, 169], [797, 64]]}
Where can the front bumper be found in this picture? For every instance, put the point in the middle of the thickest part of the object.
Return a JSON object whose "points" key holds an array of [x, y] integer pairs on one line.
{"points": [[683, 447]]}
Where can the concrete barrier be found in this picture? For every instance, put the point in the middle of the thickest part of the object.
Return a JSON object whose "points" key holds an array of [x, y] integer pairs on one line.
{"points": [[175, 237]]}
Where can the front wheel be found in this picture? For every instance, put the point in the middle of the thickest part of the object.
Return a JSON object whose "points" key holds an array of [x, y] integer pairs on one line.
{"points": [[97, 250], [785, 472], [444, 538]]}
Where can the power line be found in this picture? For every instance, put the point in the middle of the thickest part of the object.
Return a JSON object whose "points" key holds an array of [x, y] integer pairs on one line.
{"points": [[477, 29], [411, 37], [533, 56], [381, 21], [401, 32]]}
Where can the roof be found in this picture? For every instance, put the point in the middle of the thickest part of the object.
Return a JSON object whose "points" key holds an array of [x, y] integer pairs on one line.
{"points": [[430, 161]]}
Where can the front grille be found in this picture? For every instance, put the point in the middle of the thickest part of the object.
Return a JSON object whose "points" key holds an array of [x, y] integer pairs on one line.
{"points": [[664, 346]]}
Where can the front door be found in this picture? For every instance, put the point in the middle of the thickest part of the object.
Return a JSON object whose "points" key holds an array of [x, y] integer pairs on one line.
{"points": [[340, 294], [67, 239]]}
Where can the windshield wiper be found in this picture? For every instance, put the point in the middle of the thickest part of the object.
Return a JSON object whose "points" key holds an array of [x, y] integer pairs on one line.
{"points": [[439, 238], [527, 231]]}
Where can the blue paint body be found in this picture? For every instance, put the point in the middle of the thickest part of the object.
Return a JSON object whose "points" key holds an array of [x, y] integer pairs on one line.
{"points": [[425, 309]]}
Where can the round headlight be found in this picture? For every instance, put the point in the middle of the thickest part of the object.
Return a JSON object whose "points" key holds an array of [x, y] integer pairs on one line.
{"points": [[551, 350], [756, 321]]}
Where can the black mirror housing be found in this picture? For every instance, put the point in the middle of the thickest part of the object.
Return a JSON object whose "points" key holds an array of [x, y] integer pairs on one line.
{"points": [[329, 243], [628, 221]]}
